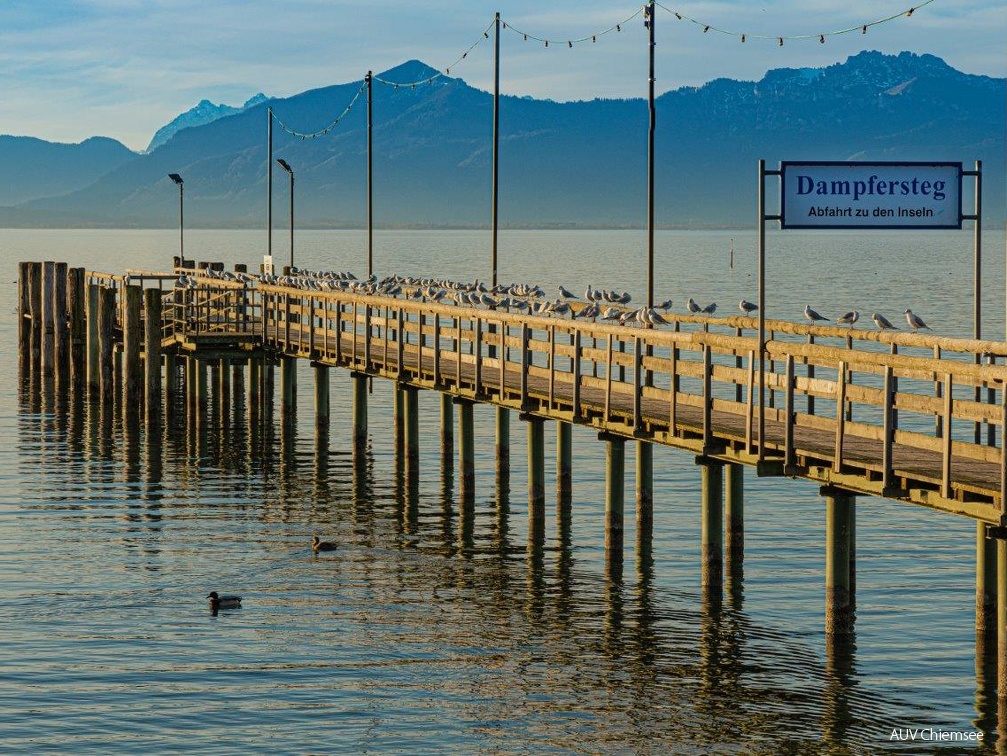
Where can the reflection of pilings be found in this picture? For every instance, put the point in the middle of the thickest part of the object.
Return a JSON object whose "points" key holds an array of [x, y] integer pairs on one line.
{"points": [[466, 451], [838, 608], [839, 679], [734, 528], [1002, 634], [359, 410], [644, 502], [321, 398], [132, 333], [712, 529], [502, 446], [615, 494], [536, 480], [152, 357]]}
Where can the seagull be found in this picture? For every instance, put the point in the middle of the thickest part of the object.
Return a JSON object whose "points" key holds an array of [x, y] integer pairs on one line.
{"points": [[915, 321], [693, 307], [882, 322], [710, 308], [567, 294], [747, 307], [849, 318], [317, 545], [812, 315], [665, 305], [223, 602]]}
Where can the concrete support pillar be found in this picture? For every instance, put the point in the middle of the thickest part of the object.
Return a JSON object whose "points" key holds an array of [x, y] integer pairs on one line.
{"points": [[644, 501], [838, 606], [536, 479], [359, 410], [466, 449], [712, 549], [322, 397], [615, 472]]}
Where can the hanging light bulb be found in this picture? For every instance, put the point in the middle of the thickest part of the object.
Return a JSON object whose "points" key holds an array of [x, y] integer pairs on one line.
{"points": [[547, 43], [678, 16], [781, 41], [909, 12], [618, 27], [742, 38], [570, 44], [525, 37], [706, 29], [821, 38], [863, 29], [593, 38], [486, 35]]}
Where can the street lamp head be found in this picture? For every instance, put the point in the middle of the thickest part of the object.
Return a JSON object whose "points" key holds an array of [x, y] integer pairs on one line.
{"points": [[285, 166], [176, 178]]}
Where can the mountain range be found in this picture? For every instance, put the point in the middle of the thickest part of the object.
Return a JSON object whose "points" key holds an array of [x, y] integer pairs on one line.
{"points": [[570, 164]]}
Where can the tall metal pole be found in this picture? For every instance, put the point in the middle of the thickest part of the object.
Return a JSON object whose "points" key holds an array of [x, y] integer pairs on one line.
{"points": [[269, 183], [977, 296], [494, 220], [291, 220], [762, 309], [181, 225], [650, 163], [370, 176]]}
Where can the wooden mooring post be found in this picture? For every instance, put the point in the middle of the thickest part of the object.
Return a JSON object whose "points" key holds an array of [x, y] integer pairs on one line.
{"points": [[132, 333], [77, 315], [106, 345], [61, 326]]}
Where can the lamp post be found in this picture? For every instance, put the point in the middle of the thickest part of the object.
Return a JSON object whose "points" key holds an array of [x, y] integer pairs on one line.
{"points": [[181, 248], [286, 166]]}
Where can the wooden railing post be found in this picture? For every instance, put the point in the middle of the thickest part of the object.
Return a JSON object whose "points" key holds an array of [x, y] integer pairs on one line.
{"points": [[524, 365], [837, 462], [707, 395], [789, 457], [946, 445], [637, 380], [888, 436], [576, 374]]}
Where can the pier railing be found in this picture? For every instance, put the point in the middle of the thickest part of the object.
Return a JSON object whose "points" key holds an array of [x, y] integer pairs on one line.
{"points": [[909, 416]]}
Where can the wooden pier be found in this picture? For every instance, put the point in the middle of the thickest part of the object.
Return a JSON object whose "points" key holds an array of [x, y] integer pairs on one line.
{"points": [[913, 418]]}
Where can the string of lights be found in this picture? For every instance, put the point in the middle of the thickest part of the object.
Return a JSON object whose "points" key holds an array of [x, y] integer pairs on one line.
{"points": [[573, 41], [447, 70], [779, 39], [327, 129]]}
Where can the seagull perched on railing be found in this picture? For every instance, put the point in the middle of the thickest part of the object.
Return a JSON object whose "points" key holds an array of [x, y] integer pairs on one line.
{"points": [[692, 306], [882, 323], [915, 321], [812, 315], [566, 293], [710, 308], [747, 307], [849, 318]]}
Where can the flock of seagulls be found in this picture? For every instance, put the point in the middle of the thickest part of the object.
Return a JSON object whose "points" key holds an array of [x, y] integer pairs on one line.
{"points": [[597, 304]]}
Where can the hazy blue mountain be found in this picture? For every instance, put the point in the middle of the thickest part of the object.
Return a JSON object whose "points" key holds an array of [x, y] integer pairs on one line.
{"points": [[204, 112], [31, 168], [562, 164]]}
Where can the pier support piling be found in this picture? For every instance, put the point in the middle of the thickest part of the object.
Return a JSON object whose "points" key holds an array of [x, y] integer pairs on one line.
{"points": [[321, 397], [106, 345], [615, 494], [132, 334], [536, 479], [564, 463], [712, 528], [152, 356], [412, 401], [76, 300], [61, 326], [447, 426], [838, 604], [644, 501], [288, 389], [502, 447], [466, 449], [359, 410]]}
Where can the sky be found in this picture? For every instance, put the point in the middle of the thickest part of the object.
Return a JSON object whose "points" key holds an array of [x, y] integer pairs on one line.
{"points": [[123, 68]]}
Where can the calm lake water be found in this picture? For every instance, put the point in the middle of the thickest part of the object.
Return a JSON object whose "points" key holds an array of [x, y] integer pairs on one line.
{"points": [[410, 638]]}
